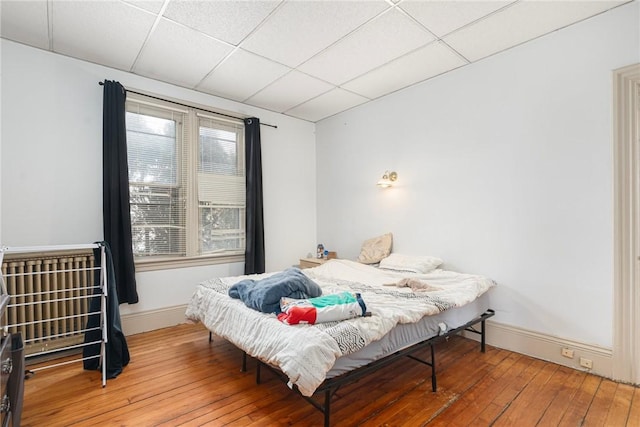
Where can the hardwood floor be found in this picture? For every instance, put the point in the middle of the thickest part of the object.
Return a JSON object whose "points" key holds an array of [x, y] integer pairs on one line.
{"points": [[177, 377]]}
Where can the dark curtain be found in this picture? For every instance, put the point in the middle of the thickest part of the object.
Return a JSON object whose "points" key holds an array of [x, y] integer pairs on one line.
{"points": [[116, 349], [115, 188], [254, 253]]}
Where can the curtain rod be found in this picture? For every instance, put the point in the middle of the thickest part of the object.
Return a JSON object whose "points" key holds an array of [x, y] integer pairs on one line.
{"points": [[191, 106]]}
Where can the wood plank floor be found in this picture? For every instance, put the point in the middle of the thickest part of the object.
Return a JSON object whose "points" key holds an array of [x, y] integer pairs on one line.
{"points": [[176, 377]]}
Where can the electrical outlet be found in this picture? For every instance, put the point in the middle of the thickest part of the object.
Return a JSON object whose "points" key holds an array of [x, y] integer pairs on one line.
{"points": [[567, 352], [586, 363]]}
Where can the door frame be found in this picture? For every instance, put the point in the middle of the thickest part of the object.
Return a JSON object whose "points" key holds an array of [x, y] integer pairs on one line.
{"points": [[626, 253]]}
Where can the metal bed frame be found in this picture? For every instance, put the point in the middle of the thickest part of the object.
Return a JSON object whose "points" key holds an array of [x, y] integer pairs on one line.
{"points": [[330, 386]]}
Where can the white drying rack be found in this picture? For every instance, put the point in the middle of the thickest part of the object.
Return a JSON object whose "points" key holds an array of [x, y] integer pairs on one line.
{"points": [[37, 296]]}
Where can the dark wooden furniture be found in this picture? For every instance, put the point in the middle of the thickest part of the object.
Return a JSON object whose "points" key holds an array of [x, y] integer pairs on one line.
{"points": [[11, 372]]}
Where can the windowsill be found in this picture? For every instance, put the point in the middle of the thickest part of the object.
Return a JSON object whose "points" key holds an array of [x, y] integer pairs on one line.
{"points": [[152, 264]]}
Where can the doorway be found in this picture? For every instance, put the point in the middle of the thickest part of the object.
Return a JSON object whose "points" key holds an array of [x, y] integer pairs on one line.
{"points": [[626, 325]]}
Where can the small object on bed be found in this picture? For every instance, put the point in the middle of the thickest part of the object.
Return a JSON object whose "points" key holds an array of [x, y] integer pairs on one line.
{"points": [[416, 285], [264, 294], [327, 308]]}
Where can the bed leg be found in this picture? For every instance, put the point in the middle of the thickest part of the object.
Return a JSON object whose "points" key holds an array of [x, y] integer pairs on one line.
{"points": [[258, 365], [244, 362], [327, 408], [482, 337], [434, 385], [210, 337]]}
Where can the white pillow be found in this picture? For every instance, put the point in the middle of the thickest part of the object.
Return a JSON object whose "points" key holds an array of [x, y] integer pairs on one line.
{"points": [[410, 263]]}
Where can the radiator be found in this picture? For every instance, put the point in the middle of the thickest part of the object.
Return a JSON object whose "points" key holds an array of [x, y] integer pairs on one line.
{"points": [[50, 295]]}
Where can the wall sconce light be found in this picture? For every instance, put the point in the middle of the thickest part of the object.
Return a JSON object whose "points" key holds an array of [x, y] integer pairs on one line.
{"points": [[387, 179]]}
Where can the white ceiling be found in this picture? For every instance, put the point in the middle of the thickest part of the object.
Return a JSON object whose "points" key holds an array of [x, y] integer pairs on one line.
{"points": [[304, 58]]}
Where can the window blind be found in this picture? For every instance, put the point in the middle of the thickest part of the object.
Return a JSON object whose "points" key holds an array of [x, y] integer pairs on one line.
{"points": [[156, 184], [221, 186]]}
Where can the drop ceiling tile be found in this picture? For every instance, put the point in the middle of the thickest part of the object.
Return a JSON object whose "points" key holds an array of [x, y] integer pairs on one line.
{"points": [[110, 33], [241, 75], [521, 22], [381, 40], [25, 22], [180, 55], [300, 29], [326, 105], [230, 21], [442, 17], [431, 60], [289, 91], [151, 5]]}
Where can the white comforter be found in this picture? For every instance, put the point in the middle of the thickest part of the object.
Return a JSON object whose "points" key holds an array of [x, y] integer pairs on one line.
{"points": [[305, 353]]}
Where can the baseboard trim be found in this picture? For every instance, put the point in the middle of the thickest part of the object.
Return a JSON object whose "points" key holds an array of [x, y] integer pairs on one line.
{"points": [[548, 347], [136, 323], [520, 340]]}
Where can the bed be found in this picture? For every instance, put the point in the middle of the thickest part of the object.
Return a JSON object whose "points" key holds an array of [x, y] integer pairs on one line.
{"points": [[312, 359]]}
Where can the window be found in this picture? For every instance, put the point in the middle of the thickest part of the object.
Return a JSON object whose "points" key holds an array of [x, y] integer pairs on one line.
{"points": [[186, 181], [221, 187]]}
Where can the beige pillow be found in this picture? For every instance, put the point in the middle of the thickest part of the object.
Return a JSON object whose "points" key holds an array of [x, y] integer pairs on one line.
{"points": [[375, 249]]}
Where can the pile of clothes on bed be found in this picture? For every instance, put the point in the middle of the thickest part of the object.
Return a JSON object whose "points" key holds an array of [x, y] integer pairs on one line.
{"points": [[296, 299]]}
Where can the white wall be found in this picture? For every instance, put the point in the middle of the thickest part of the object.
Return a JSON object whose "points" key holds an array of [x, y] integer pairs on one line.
{"points": [[51, 176], [505, 169], [0, 145]]}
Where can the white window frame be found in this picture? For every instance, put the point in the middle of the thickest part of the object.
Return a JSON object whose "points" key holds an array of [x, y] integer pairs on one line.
{"points": [[191, 147]]}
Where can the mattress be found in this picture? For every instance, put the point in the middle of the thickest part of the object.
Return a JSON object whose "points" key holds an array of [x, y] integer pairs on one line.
{"points": [[407, 334]]}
